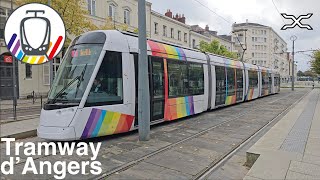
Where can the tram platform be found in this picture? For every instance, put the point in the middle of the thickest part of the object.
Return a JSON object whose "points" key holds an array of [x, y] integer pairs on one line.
{"points": [[291, 148]]}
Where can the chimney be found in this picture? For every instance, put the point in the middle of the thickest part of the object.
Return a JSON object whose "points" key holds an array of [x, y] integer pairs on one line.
{"points": [[168, 13], [176, 17], [207, 28], [182, 19]]}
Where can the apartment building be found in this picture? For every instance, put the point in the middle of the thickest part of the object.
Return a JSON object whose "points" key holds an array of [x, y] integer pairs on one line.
{"points": [[170, 28], [224, 40], [264, 47]]}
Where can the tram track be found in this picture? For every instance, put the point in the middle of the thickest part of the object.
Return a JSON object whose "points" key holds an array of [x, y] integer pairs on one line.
{"points": [[219, 162], [204, 172]]}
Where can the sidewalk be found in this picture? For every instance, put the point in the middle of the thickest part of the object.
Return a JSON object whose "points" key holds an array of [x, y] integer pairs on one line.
{"points": [[21, 103], [291, 149], [19, 129]]}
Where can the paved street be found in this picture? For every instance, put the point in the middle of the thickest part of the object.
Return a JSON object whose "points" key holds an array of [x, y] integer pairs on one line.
{"points": [[182, 149]]}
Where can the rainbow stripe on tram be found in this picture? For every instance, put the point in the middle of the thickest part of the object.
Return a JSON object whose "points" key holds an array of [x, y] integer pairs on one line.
{"points": [[232, 64], [178, 108], [103, 122], [166, 51]]}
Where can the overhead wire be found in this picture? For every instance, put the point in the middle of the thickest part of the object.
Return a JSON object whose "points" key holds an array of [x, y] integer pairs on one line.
{"points": [[212, 11]]}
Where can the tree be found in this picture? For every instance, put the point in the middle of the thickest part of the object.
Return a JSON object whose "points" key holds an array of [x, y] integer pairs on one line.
{"points": [[300, 73], [215, 48], [310, 73], [110, 25], [315, 62]]}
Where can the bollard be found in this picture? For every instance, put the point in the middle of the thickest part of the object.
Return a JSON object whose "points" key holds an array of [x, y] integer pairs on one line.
{"points": [[15, 111], [32, 97]]}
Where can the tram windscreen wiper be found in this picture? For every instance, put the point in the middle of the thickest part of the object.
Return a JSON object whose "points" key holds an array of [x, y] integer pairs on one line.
{"points": [[62, 91], [80, 79]]}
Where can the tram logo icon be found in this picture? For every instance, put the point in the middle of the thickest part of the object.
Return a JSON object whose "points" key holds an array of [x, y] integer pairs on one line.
{"points": [[34, 33], [296, 21]]}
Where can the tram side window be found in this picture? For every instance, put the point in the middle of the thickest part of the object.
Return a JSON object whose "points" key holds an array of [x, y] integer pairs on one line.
{"points": [[220, 85], [178, 79], [107, 87], [253, 79], [239, 84], [196, 79], [231, 81]]}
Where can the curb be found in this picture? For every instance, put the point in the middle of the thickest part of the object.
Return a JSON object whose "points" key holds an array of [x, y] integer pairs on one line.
{"points": [[22, 135]]}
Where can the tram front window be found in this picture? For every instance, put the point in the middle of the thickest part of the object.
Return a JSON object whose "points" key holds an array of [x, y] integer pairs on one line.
{"points": [[75, 73]]}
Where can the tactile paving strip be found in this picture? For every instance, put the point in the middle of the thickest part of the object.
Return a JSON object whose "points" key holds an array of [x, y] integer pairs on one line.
{"points": [[298, 136]]}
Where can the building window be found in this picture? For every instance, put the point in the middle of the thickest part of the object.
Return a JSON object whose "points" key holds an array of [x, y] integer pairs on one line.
{"points": [[126, 19], [185, 37], [172, 33], [156, 28], [252, 39], [55, 66], [165, 31], [194, 43], [179, 35], [92, 7], [265, 39], [3, 12], [28, 71], [46, 74], [112, 11], [252, 54], [3, 19]]}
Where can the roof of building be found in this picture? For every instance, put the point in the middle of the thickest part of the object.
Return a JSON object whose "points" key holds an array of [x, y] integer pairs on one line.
{"points": [[248, 24], [226, 37]]}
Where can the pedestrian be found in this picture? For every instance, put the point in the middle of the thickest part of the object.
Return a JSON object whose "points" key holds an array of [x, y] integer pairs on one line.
{"points": [[313, 84]]}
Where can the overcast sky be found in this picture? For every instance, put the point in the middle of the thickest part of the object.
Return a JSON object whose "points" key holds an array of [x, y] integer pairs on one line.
{"points": [[257, 11]]}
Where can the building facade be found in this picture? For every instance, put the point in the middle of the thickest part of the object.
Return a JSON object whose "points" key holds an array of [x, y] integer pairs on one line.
{"points": [[264, 47], [167, 27]]}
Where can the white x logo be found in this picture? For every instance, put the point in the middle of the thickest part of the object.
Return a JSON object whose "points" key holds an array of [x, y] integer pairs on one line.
{"points": [[297, 21]]}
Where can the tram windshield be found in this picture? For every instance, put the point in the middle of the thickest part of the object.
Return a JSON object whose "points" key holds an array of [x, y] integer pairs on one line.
{"points": [[76, 70]]}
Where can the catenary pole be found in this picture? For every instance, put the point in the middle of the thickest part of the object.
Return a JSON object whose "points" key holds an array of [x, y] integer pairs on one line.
{"points": [[14, 78], [293, 39], [143, 83]]}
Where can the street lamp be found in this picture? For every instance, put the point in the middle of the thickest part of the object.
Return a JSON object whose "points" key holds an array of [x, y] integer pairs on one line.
{"points": [[293, 39]]}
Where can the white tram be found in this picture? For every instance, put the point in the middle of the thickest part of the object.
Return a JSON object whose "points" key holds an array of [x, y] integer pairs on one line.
{"points": [[95, 91]]}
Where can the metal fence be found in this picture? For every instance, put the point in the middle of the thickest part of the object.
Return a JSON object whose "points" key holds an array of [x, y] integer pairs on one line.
{"points": [[27, 107]]}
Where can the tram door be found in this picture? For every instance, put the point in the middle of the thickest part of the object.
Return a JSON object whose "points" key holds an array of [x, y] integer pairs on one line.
{"points": [[157, 88], [156, 83]]}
